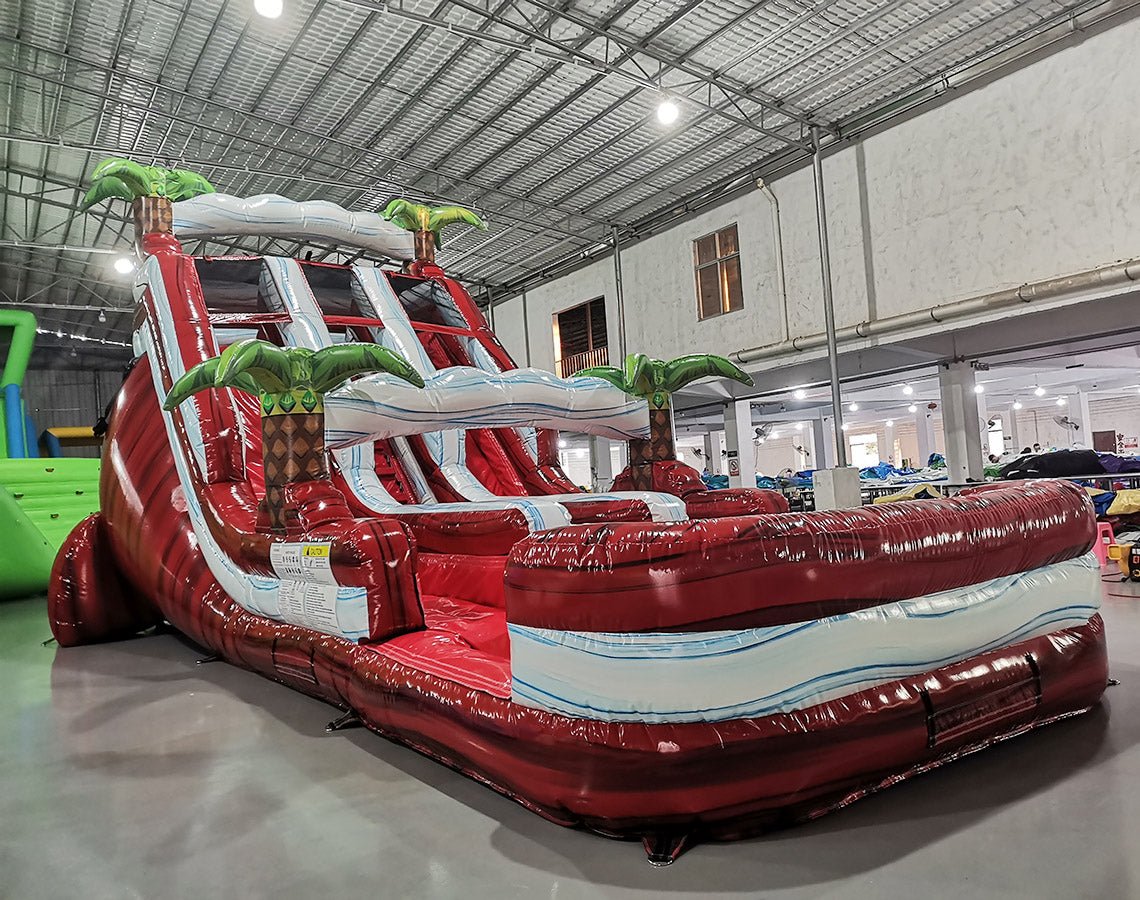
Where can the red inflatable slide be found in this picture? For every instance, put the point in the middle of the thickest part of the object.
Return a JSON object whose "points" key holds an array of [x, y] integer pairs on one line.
{"points": [[666, 666]]}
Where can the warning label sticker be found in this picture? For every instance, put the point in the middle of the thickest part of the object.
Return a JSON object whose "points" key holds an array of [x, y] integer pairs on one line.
{"points": [[303, 562], [308, 604]]}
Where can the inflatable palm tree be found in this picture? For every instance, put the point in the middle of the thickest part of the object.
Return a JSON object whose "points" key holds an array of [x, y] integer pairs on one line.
{"points": [[291, 384], [149, 189], [427, 223], [655, 382]]}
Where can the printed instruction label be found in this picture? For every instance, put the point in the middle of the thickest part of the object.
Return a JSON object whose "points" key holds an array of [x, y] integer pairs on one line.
{"points": [[308, 604], [303, 562]]}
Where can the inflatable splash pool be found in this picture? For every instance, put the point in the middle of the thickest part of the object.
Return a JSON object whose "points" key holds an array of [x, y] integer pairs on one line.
{"points": [[665, 665]]}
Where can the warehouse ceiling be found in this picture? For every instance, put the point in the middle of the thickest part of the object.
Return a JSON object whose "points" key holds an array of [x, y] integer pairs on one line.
{"points": [[540, 115]]}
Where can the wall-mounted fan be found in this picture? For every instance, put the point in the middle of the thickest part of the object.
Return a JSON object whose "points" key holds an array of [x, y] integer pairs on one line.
{"points": [[1066, 422]]}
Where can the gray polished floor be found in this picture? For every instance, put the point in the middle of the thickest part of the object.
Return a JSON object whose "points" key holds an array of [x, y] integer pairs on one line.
{"points": [[128, 771]]}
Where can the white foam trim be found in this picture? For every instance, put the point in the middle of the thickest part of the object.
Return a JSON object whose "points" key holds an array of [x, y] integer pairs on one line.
{"points": [[271, 215], [717, 675]]}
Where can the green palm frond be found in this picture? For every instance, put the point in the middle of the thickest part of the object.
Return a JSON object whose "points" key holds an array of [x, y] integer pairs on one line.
{"points": [[273, 369], [686, 369], [333, 365], [642, 374], [203, 377], [638, 378], [612, 374], [654, 380], [441, 216], [182, 184], [128, 180], [107, 188], [407, 215], [138, 179], [261, 369]]}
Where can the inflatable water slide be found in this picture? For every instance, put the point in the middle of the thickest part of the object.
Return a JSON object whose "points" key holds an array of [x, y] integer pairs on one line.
{"points": [[335, 475]]}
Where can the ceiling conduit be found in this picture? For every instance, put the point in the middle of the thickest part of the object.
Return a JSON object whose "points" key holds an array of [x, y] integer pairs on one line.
{"points": [[1106, 277]]}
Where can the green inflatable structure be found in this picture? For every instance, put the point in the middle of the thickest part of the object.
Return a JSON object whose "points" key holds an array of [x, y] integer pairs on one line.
{"points": [[41, 500]]}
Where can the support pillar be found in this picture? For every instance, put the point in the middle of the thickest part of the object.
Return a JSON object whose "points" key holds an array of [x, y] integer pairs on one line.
{"points": [[806, 441], [1014, 431], [828, 299], [887, 454], [924, 430], [837, 489], [825, 455], [601, 468], [961, 423], [1077, 409], [712, 453], [622, 448], [619, 295], [984, 425], [738, 433], [526, 329], [719, 443]]}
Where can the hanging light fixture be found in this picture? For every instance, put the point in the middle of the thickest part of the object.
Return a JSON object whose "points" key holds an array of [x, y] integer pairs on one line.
{"points": [[853, 407], [908, 390], [1017, 404], [271, 9], [799, 393], [890, 423], [978, 389], [1039, 391], [912, 408], [668, 112], [124, 265]]}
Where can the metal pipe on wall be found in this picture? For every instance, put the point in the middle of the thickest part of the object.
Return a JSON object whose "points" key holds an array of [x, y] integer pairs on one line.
{"points": [[1103, 278], [778, 252], [828, 302], [526, 329], [619, 293]]}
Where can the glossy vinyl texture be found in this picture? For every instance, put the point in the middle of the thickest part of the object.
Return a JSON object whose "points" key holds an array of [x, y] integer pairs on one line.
{"points": [[752, 571], [435, 673]]}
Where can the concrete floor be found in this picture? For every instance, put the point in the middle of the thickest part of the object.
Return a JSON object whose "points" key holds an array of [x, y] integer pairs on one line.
{"points": [[128, 771]]}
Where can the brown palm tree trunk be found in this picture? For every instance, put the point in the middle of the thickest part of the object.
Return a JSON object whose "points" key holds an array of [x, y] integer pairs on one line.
{"points": [[293, 451], [425, 247], [659, 448], [153, 215]]}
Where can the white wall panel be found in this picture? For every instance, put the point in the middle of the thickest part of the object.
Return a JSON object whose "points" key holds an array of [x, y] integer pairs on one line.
{"points": [[1026, 178]]}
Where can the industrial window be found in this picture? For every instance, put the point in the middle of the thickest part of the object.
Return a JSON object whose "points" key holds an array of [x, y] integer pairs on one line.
{"points": [[580, 338], [717, 260]]}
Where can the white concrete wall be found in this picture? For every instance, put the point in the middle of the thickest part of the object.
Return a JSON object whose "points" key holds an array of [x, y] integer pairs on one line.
{"points": [[1029, 177], [1120, 414]]}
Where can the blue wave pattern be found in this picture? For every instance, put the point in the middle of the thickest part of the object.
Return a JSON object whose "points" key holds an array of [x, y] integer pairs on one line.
{"points": [[718, 675]]}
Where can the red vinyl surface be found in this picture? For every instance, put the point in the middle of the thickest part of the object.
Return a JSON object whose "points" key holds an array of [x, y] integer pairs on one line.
{"points": [[751, 571], [435, 670]]}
